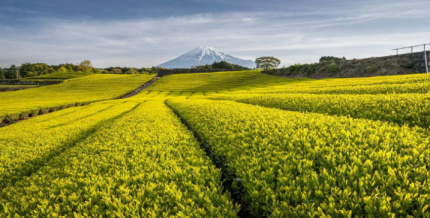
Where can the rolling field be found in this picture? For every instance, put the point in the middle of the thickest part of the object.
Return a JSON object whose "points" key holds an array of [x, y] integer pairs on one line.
{"points": [[78, 91], [228, 144], [56, 76], [223, 81]]}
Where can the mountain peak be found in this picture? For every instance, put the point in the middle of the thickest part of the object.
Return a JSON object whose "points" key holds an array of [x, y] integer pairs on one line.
{"points": [[203, 55]]}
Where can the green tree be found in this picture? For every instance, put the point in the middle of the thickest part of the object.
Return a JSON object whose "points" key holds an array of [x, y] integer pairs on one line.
{"points": [[86, 66], [331, 58], [332, 67], [12, 73], [116, 71], [2, 74], [62, 69], [267, 62], [29, 74], [69, 68]]}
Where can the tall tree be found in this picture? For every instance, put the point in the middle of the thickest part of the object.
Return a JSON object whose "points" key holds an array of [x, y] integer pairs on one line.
{"points": [[2, 76], [86, 66], [267, 62]]}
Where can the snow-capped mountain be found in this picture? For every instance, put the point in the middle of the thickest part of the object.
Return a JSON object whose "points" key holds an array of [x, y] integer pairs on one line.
{"points": [[205, 55]]}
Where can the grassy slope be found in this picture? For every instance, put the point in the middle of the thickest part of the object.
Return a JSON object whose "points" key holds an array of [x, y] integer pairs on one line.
{"points": [[79, 90], [196, 82], [54, 76], [412, 83]]}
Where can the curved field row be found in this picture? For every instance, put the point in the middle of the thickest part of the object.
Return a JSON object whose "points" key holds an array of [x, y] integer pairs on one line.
{"points": [[422, 87], [412, 109], [415, 83], [27, 145], [74, 92], [144, 164], [291, 164]]}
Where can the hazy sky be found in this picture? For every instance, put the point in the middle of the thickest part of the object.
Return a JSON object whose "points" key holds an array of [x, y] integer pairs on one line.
{"points": [[148, 32]]}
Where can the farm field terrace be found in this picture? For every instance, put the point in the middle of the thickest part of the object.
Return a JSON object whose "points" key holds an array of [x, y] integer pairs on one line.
{"points": [[228, 144]]}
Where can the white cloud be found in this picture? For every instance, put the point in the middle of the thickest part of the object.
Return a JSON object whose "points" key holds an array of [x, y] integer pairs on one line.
{"points": [[295, 37]]}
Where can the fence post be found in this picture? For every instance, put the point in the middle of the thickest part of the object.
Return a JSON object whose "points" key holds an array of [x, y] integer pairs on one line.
{"points": [[426, 61]]}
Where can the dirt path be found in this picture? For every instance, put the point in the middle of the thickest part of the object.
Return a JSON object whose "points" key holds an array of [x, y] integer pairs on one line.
{"points": [[133, 93]]}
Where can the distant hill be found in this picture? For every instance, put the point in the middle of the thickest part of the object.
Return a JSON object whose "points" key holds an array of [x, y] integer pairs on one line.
{"points": [[202, 56], [409, 63]]}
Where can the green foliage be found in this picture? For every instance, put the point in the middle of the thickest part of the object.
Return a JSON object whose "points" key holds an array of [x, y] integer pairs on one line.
{"points": [[408, 65], [331, 59], [86, 66], [62, 69], [12, 73], [16, 105], [39, 69], [54, 76], [293, 164], [373, 69], [136, 166], [2, 74], [332, 67], [297, 148], [375, 107], [222, 65], [116, 71], [126, 70], [412, 83], [215, 81], [69, 68], [52, 133], [267, 62], [35, 69]]}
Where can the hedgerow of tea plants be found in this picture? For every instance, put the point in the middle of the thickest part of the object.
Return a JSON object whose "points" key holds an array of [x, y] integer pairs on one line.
{"points": [[291, 164], [412, 109], [144, 164], [27, 145], [415, 83]]}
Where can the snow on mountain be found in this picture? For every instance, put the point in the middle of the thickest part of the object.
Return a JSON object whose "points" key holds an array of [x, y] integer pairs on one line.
{"points": [[204, 55]]}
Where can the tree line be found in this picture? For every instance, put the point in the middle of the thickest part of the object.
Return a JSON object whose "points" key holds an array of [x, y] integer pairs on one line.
{"points": [[214, 67], [37, 69]]}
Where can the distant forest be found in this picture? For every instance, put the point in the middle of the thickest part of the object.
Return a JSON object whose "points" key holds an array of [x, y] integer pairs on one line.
{"points": [[37, 69]]}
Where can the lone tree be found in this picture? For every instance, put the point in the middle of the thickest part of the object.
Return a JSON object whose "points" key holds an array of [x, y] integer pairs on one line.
{"points": [[86, 66], [267, 62]]}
